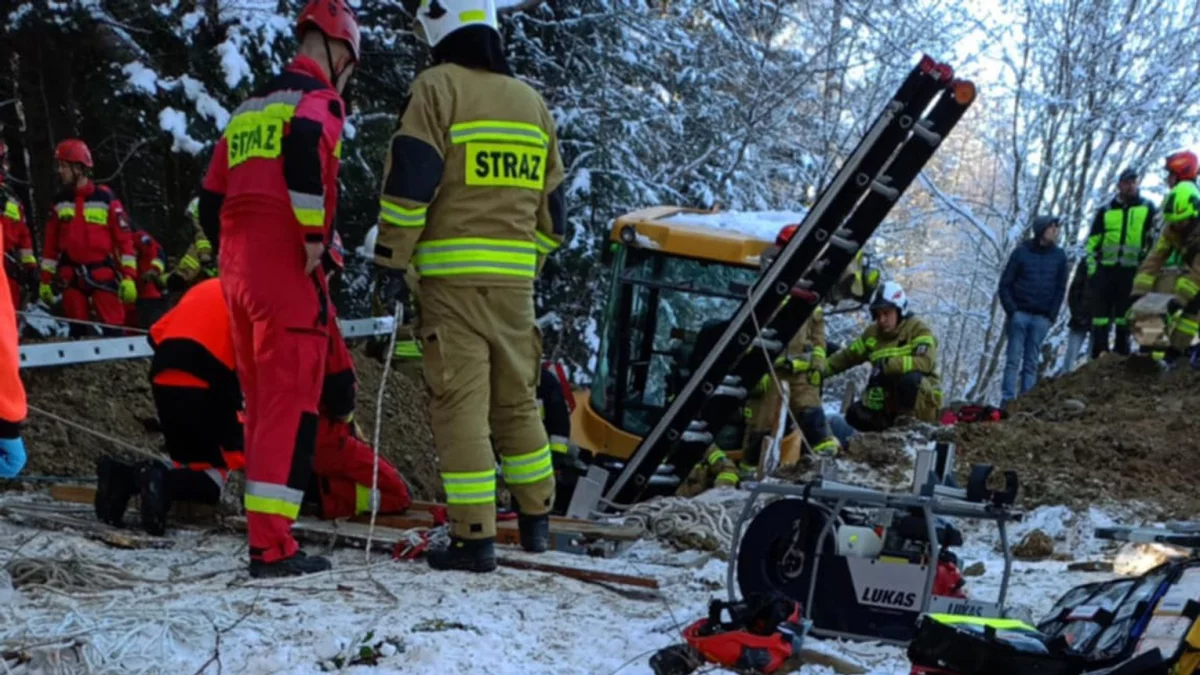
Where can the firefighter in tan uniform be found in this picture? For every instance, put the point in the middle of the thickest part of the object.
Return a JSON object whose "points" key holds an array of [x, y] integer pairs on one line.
{"points": [[902, 352], [801, 365], [472, 199], [199, 262], [1179, 246], [714, 470]]}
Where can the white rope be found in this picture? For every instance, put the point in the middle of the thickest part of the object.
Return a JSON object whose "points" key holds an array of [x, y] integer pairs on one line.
{"points": [[99, 434], [684, 522], [398, 316]]}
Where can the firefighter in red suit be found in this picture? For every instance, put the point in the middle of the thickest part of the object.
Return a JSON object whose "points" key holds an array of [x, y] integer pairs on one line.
{"points": [[151, 262], [198, 401], [19, 264], [89, 249], [267, 201]]}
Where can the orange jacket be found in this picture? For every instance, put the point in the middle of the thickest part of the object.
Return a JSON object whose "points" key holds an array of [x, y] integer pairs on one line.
{"points": [[12, 391]]}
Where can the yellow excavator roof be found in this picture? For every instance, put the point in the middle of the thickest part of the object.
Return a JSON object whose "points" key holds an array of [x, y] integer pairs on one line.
{"points": [[656, 228]]}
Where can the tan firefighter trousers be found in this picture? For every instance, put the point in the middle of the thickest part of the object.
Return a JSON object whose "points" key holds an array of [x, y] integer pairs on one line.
{"points": [[482, 354]]}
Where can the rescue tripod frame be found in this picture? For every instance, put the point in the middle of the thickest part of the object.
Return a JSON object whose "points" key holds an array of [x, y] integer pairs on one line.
{"points": [[929, 497], [902, 139]]}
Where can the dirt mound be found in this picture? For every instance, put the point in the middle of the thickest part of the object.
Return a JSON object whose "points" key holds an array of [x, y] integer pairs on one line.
{"points": [[114, 397], [1112, 430]]}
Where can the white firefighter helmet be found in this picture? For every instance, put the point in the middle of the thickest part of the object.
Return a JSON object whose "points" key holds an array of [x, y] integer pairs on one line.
{"points": [[440, 18], [890, 294]]}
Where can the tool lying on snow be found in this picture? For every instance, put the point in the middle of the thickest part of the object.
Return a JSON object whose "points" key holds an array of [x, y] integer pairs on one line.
{"points": [[761, 635], [865, 563]]}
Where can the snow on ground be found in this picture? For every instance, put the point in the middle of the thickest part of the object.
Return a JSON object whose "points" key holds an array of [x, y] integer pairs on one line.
{"points": [[761, 224], [511, 622]]}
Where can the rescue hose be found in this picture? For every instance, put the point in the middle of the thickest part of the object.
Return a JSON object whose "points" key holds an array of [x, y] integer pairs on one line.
{"points": [[684, 522], [397, 317], [150, 454]]}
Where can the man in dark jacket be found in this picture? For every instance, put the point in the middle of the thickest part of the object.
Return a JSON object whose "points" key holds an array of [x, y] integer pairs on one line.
{"points": [[1031, 291], [1081, 317]]}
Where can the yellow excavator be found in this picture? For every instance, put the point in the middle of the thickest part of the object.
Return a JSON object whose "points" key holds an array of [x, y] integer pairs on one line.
{"points": [[673, 275]]}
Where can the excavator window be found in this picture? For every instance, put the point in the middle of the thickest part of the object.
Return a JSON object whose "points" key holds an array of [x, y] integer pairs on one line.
{"points": [[656, 309]]}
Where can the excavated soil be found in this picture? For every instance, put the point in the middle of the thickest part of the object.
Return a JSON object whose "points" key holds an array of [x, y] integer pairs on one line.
{"points": [[1114, 430], [114, 398]]}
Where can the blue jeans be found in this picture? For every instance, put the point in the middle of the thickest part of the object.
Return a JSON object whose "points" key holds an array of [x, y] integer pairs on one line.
{"points": [[1026, 332]]}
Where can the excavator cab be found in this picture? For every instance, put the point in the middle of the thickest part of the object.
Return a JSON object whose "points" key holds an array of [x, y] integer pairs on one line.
{"points": [[672, 277]]}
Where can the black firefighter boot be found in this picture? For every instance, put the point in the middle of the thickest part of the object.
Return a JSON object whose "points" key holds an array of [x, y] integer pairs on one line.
{"points": [[535, 532], [297, 565], [116, 482], [466, 555], [152, 489]]}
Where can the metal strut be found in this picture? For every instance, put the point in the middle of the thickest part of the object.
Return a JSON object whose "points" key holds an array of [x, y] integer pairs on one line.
{"points": [[887, 159]]}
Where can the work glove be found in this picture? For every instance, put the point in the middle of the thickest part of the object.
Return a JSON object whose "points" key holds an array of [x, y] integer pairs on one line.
{"points": [[12, 457], [390, 288], [127, 291], [46, 293]]}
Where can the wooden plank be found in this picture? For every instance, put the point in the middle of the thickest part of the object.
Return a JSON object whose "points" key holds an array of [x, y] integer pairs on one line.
{"points": [[181, 511], [385, 538]]}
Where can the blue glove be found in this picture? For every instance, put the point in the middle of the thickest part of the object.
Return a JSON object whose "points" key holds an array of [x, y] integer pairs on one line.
{"points": [[12, 456]]}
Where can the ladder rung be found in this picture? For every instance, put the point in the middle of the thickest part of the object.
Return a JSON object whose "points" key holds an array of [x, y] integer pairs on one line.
{"points": [[697, 425], [806, 284], [732, 381], [891, 193], [697, 437], [734, 392], [769, 345], [921, 130], [846, 245]]}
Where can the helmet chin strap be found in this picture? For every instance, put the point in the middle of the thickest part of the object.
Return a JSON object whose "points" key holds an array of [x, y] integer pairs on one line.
{"points": [[334, 73]]}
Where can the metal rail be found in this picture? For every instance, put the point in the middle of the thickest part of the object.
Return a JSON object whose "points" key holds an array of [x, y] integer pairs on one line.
{"points": [[72, 352]]}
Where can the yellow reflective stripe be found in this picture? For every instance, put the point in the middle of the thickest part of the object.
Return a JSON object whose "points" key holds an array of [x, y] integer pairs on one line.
{"points": [[472, 16], [399, 216], [998, 624], [337, 149], [309, 208], [545, 244], [530, 467], [310, 217], [1187, 326], [827, 446], [49, 265], [857, 347], [11, 210], [189, 262], [158, 264], [906, 365], [716, 456], [96, 215], [129, 261], [272, 499], [497, 130], [1143, 280], [1186, 287], [818, 352], [474, 255], [728, 477], [925, 340], [364, 498], [408, 349], [559, 444], [203, 245], [889, 352], [470, 487], [27, 257]]}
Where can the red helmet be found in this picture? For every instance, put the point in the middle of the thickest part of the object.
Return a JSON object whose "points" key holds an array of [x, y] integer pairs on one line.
{"points": [[74, 151], [785, 235], [1183, 165], [335, 19]]}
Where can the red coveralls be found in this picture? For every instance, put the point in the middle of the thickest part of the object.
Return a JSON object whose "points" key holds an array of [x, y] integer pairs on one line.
{"points": [[18, 244], [197, 399], [274, 173], [85, 230], [150, 257]]}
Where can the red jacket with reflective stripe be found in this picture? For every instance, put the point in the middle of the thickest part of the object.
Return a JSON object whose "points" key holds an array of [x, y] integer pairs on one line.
{"points": [[278, 157], [150, 256], [18, 244], [87, 226]]}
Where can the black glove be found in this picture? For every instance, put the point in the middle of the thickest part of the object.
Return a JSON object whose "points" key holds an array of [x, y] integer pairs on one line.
{"points": [[390, 288]]}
